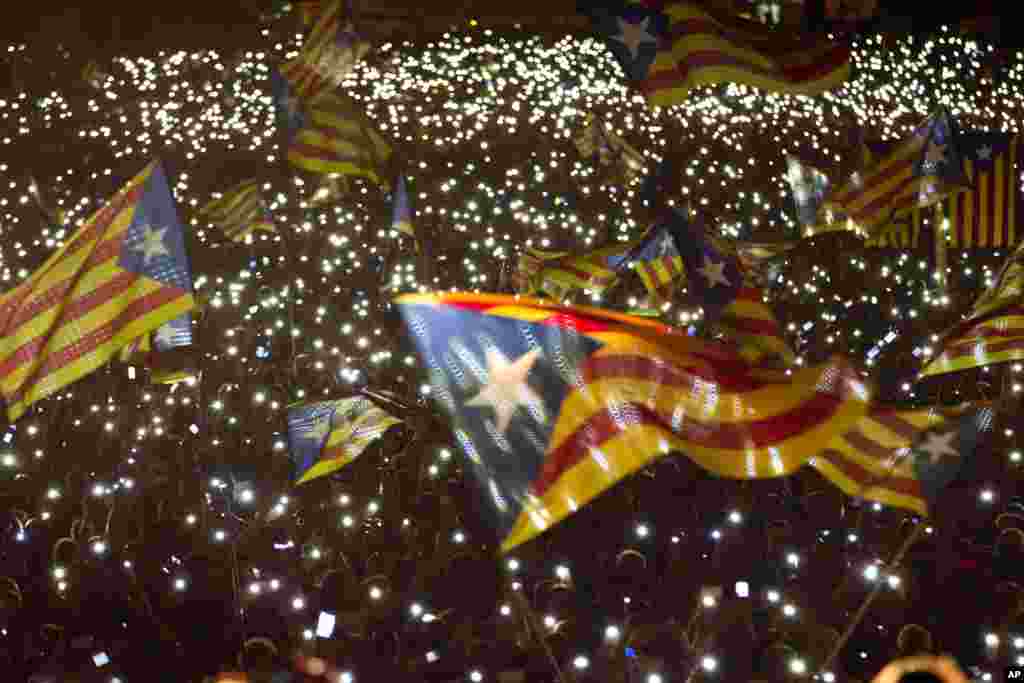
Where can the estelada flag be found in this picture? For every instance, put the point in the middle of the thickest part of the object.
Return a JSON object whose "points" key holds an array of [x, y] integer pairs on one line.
{"points": [[552, 405]]}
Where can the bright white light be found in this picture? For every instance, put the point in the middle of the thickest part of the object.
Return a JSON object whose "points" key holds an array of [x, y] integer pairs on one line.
{"points": [[798, 666], [581, 662], [871, 572], [709, 663], [612, 633]]}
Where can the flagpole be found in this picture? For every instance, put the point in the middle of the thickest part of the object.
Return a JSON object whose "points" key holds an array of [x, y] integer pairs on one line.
{"points": [[941, 251], [531, 620], [872, 596]]}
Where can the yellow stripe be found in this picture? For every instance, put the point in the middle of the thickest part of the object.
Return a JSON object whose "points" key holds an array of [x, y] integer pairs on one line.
{"points": [[875, 493], [717, 75], [943, 364], [67, 334], [984, 211], [688, 44], [103, 353], [1012, 230], [968, 214], [999, 178], [40, 324], [323, 467], [635, 447]]}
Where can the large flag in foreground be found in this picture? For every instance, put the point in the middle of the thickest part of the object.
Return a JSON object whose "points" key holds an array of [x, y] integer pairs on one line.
{"points": [[669, 52], [904, 459], [552, 405], [994, 330], [327, 435], [122, 275]]}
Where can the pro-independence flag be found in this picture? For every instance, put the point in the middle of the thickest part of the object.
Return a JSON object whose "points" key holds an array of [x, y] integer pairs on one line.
{"points": [[669, 52], [994, 330], [904, 459], [122, 275], [328, 54], [558, 274], [985, 216], [902, 232], [401, 216], [327, 435], [553, 405], [239, 212], [750, 323], [918, 172], [338, 138], [656, 260]]}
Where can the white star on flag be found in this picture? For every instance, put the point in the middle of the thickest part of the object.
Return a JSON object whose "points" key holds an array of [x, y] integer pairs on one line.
{"points": [[152, 244], [714, 272], [985, 153], [506, 387], [939, 446], [165, 335], [633, 35]]}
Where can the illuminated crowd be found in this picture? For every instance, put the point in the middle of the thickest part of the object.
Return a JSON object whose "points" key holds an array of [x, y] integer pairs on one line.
{"points": [[159, 523]]}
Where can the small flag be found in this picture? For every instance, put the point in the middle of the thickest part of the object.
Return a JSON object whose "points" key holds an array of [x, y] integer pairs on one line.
{"points": [[339, 139], [558, 274], [904, 459], [240, 212], [994, 330], [657, 262], [552, 405], [123, 274], [670, 52], [401, 216], [809, 186], [918, 172], [750, 324], [985, 216], [327, 435], [329, 54]]}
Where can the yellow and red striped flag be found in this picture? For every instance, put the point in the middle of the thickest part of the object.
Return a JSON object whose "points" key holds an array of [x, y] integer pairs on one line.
{"points": [[903, 459], [558, 274], [552, 405], [985, 216], [239, 212], [750, 323], [328, 55], [669, 52], [994, 330], [919, 172], [120, 276], [338, 138]]}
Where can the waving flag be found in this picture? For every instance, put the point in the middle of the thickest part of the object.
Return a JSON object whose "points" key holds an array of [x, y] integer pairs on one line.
{"points": [[668, 53], [553, 405], [904, 459], [994, 330], [657, 262], [328, 55], [338, 138], [121, 275], [327, 435], [239, 212], [714, 272], [985, 216], [918, 172], [558, 274]]}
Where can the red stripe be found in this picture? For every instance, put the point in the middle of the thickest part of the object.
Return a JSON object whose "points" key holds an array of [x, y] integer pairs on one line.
{"points": [[859, 475], [56, 294], [101, 220], [76, 310], [988, 347], [752, 327], [607, 423], [728, 377], [89, 342]]}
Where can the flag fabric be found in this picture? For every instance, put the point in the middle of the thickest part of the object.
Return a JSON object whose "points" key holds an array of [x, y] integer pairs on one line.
{"points": [[339, 139], [288, 110], [669, 52], [985, 216], [239, 212], [597, 140], [401, 216], [123, 274], [904, 459], [552, 405], [657, 261], [994, 330], [761, 260], [809, 186], [559, 273], [850, 10], [902, 232], [749, 323], [173, 334], [93, 75], [327, 435], [918, 172], [328, 55]]}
